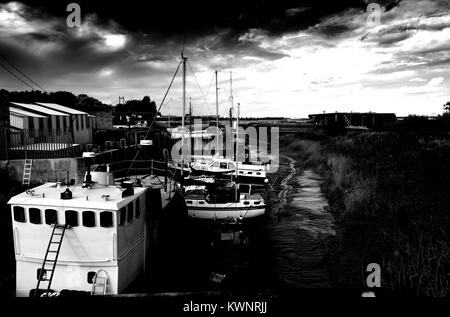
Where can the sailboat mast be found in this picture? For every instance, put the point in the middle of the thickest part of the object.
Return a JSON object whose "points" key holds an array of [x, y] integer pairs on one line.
{"points": [[237, 138], [190, 115], [237, 152], [232, 104], [190, 130], [184, 111], [217, 116], [231, 89]]}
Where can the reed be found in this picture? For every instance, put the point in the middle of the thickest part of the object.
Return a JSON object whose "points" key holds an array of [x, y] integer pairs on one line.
{"points": [[389, 195]]}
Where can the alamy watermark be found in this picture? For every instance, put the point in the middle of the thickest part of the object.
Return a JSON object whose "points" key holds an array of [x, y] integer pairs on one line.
{"points": [[255, 144], [374, 14], [373, 278], [74, 18]]}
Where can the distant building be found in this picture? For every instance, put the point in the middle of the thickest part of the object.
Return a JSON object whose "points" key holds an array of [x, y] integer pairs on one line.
{"points": [[354, 120]]}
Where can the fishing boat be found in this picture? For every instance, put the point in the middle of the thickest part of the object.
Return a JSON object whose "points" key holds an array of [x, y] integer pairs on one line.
{"points": [[89, 237]]}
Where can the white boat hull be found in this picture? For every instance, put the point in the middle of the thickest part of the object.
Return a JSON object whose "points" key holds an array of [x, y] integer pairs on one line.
{"points": [[224, 211]]}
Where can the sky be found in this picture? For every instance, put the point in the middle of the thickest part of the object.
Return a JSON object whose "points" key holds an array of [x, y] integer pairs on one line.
{"points": [[287, 58]]}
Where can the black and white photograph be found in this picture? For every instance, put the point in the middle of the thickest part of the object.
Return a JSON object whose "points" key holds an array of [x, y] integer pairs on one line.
{"points": [[223, 157]]}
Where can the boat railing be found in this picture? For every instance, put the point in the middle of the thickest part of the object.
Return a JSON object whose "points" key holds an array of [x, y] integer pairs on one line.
{"points": [[140, 167]]}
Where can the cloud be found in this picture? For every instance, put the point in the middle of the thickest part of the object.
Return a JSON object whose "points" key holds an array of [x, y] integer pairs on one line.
{"points": [[436, 81], [285, 61]]}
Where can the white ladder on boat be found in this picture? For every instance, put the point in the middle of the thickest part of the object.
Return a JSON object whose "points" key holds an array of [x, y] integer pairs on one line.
{"points": [[27, 172], [99, 283]]}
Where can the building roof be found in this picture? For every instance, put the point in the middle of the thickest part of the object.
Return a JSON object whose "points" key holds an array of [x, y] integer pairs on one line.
{"points": [[39, 109], [24, 113], [57, 107], [44, 146], [85, 198]]}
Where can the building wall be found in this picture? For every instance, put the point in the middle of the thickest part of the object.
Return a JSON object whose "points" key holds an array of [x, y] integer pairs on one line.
{"points": [[81, 131], [16, 121], [32, 123], [43, 170], [57, 122]]}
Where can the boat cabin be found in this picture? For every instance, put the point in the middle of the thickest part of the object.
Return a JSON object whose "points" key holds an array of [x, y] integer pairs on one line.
{"points": [[104, 231]]}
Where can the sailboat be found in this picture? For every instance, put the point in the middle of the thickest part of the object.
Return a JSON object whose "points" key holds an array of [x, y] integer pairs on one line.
{"points": [[224, 201], [221, 200], [219, 165]]}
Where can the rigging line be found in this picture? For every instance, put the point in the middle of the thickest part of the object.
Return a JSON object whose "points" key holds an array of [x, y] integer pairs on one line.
{"points": [[154, 118], [207, 92], [224, 86], [201, 91], [226, 92], [20, 72], [17, 77]]}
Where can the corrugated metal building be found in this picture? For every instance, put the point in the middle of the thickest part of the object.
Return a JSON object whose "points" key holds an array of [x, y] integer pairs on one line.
{"points": [[22, 119], [53, 120], [49, 116], [80, 122]]}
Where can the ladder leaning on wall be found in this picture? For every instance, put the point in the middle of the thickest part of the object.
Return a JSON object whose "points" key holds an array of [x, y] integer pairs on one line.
{"points": [[27, 172]]}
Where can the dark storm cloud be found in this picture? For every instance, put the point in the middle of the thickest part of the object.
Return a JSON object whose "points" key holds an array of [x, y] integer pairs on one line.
{"points": [[397, 33], [273, 47], [392, 38], [195, 17], [296, 11], [159, 31], [333, 30]]}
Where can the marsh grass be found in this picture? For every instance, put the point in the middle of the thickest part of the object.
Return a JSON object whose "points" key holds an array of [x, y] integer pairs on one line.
{"points": [[390, 195]]}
